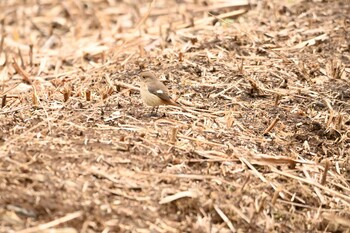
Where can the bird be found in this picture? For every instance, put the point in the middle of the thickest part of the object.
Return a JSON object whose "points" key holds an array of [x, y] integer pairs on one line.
{"points": [[154, 92]]}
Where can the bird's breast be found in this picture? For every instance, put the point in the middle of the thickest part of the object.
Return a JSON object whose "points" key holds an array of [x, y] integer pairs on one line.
{"points": [[149, 98]]}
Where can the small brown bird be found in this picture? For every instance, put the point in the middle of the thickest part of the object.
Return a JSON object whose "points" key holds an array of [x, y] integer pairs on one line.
{"points": [[154, 92]]}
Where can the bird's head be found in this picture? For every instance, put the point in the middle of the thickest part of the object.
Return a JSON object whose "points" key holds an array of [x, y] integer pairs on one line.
{"points": [[147, 76]]}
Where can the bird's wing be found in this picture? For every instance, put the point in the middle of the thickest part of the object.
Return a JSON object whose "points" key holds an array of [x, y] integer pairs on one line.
{"points": [[160, 90]]}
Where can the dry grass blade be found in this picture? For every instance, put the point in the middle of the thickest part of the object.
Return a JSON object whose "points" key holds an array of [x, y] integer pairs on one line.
{"points": [[179, 195], [325, 172], [224, 218], [255, 172], [53, 223], [310, 42], [314, 183], [23, 73], [337, 219], [3, 101], [260, 142], [271, 126]]}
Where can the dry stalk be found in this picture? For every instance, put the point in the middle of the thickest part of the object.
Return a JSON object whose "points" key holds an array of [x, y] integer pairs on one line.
{"points": [[173, 137], [31, 55], [271, 126], [21, 58], [35, 98], [2, 36], [179, 195], [67, 92], [224, 218], [211, 64], [335, 69], [88, 95], [275, 195], [53, 223], [313, 183], [325, 172], [277, 99], [23, 73], [3, 101], [254, 86]]}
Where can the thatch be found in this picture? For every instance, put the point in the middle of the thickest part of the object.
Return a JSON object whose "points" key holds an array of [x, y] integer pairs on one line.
{"points": [[263, 145]]}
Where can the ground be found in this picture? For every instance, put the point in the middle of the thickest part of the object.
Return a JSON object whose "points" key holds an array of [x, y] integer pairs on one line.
{"points": [[262, 143]]}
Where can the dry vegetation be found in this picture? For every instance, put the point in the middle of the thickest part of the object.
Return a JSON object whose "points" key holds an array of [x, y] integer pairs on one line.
{"points": [[263, 145]]}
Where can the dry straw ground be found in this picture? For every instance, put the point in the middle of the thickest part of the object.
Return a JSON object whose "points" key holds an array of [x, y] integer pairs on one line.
{"points": [[263, 145]]}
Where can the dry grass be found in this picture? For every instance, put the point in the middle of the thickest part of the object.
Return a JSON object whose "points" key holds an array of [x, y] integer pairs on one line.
{"points": [[263, 145]]}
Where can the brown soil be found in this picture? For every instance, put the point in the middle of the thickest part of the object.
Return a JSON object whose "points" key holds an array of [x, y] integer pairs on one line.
{"points": [[263, 145]]}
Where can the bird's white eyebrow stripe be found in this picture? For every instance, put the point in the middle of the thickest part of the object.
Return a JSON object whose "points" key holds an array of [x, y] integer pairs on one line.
{"points": [[160, 91]]}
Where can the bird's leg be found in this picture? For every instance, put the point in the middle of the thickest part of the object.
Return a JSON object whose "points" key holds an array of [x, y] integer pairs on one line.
{"points": [[154, 111]]}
